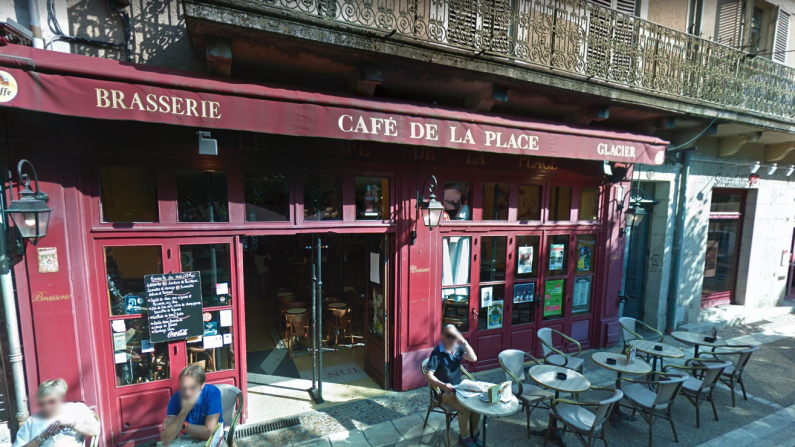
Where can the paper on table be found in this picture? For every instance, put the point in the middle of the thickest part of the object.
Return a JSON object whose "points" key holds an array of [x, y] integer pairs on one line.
{"points": [[118, 326], [221, 288], [213, 341], [468, 388], [121, 357], [375, 270], [226, 318], [227, 339]]}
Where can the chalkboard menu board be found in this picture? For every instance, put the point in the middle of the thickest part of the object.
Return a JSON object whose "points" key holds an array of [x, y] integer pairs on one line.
{"points": [[174, 306]]}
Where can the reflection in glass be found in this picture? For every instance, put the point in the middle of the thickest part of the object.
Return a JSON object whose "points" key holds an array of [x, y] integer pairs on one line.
{"points": [[495, 201], [527, 256], [586, 249], [455, 308], [202, 196], [529, 203], [557, 255], [126, 268], [322, 197], [214, 351], [456, 260], [372, 198], [214, 263], [492, 258], [128, 194], [492, 305], [136, 359], [559, 203], [267, 197], [458, 200], [589, 204]]}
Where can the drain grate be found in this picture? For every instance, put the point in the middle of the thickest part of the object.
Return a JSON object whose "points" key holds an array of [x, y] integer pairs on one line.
{"points": [[265, 427]]}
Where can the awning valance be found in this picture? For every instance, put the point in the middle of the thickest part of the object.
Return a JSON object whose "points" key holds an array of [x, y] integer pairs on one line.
{"points": [[90, 87]]}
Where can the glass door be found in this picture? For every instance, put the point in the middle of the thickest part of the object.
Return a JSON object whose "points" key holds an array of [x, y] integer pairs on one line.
{"points": [[377, 318], [145, 373]]}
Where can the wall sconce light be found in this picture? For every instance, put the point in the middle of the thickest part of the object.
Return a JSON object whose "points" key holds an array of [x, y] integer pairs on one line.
{"points": [[772, 168], [430, 209], [207, 146], [634, 213], [30, 212], [790, 170], [755, 167]]}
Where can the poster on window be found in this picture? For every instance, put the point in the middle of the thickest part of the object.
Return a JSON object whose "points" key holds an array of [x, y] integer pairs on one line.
{"points": [[711, 259], [486, 294], [525, 262], [584, 255], [494, 320], [581, 300], [556, 256], [523, 293], [553, 298]]}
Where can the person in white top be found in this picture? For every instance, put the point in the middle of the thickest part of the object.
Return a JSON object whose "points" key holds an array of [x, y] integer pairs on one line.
{"points": [[58, 423]]}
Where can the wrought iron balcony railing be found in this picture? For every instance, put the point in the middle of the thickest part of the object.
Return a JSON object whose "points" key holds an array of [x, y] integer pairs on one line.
{"points": [[579, 37]]}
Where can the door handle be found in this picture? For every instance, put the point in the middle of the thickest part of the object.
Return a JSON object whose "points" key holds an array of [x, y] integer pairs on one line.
{"points": [[176, 349], [475, 313]]}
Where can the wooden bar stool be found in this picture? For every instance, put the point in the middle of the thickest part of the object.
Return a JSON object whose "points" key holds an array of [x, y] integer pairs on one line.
{"points": [[296, 326], [340, 325]]}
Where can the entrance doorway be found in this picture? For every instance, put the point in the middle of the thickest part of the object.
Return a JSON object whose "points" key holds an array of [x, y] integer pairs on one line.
{"points": [[316, 320]]}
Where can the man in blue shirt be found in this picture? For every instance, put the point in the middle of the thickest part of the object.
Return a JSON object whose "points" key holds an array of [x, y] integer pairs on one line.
{"points": [[444, 372], [195, 409]]}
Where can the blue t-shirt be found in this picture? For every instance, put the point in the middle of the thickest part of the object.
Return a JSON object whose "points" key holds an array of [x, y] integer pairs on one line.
{"points": [[445, 366], [209, 403]]}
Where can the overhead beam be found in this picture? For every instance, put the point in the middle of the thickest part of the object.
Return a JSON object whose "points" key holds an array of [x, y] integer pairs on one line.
{"points": [[731, 145], [777, 152]]}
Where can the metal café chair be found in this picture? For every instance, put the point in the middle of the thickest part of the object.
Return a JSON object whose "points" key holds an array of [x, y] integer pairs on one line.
{"points": [[587, 426], [556, 357], [698, 389], [629, 331], [530, 396], [733, 374], [232, 403], [653, 399], [435, 404]]}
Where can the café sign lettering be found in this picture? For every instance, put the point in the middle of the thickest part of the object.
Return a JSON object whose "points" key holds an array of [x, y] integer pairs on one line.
{"points": [[176, 105]]}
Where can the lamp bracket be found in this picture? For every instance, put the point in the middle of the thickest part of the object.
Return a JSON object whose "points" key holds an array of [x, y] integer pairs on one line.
{"points": [[635, 195], [430, 187], [25, 180]]}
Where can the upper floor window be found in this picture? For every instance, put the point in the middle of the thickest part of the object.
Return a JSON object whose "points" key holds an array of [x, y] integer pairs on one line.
{"points": [[202, 196], [128, 194]]}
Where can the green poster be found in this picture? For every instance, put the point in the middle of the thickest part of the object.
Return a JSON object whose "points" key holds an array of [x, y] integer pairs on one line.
{"points": [[553, 298]]}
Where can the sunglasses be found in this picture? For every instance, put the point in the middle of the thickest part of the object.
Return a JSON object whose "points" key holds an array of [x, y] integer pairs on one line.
{"points": [[449, 336]]}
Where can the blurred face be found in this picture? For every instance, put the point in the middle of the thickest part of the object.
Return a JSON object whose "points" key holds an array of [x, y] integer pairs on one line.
{"points": [[50, 405], [190, 388], [449, 340]]}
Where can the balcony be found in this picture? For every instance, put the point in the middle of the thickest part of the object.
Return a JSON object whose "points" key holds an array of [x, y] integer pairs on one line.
{"points": [[576, 38]]}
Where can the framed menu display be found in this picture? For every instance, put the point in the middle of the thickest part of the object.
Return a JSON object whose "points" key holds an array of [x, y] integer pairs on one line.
{"points": [[581, 298], [553, 298]]}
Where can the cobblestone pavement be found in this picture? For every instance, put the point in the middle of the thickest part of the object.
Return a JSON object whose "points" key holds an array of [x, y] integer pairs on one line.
{"points": [[766, 419]]}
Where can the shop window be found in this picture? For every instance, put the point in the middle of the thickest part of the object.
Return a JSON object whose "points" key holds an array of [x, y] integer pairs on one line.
{"points": [[495, 201], [267, 197], [128, 194], [726, 201], [581, 297], [455, 277], [458, 200], [322, 197], [214, 351], [529, 203], [492, 258], [372, 198], [589, 204], [559, 203], [723, 247], [213, 261], [524, 299], [492, 305], [557, 255], [137, 360], [527, 256], [125, 269], [202, 196]]}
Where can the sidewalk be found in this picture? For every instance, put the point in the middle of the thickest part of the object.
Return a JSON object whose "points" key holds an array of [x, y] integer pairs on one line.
{"points": [[766, 419]]}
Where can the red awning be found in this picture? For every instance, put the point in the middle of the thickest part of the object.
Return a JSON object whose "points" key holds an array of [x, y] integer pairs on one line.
{"points": [[90, 87]]}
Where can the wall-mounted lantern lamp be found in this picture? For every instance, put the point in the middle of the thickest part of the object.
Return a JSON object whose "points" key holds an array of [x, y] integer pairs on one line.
{"points": [[634, 213], [431, 209], [30, 212]]}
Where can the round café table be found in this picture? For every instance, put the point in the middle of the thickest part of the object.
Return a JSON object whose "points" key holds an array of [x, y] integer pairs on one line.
{"points": [[485, 409], [637, 367], [697, 340], [547, 377], [296, 311], [664, 351]]}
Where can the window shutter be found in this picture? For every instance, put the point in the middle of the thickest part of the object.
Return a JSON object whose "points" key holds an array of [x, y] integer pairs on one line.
{"points": [[781, 40], [463, 22], [626, 6], [728, 24]]}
